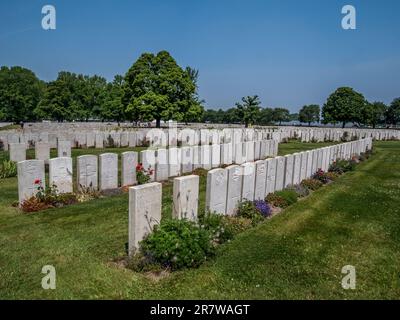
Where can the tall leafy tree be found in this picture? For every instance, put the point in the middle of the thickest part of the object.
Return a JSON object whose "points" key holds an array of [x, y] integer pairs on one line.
{"points": [[266, 116], [249, 109], [393, 112], [344, 105], [281, 115], [309, 113], [374, 113], [112, 107], [58, 102], [20, 93], [157, 88]]}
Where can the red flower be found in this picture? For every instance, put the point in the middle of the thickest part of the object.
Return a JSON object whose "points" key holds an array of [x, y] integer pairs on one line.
{"points": [[139, 167], [38, 181]]}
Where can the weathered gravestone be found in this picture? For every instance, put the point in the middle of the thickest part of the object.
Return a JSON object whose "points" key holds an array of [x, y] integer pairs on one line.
{"points": [[249, 176], [174, 162], [148, 160], [42, 151], [271, 176], [234, 193], [186, 159], [289, 166], [63, 148], [108, 171], [162, 166], [217, 186], [144, 212], [261, 178], [87, 169], [60, 174], [30, 176], [280, 173], [186, 197], [17, 152], [129, 163]]}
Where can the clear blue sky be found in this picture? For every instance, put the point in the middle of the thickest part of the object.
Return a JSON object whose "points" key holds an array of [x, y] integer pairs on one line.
{"points": [[289, 52]]}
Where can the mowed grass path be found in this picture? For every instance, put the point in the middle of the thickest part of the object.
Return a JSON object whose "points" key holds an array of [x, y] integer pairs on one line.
{"points": [[296, 255]]}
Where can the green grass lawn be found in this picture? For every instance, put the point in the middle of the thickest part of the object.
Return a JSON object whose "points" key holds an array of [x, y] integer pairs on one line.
{"points": [[296, 255]]}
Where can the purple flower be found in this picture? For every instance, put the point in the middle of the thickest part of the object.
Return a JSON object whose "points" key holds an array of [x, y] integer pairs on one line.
{"points": [[263, 207]]}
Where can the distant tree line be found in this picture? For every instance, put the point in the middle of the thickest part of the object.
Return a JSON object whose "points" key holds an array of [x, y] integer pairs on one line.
{"points": [[156, 88], [343, 106]]}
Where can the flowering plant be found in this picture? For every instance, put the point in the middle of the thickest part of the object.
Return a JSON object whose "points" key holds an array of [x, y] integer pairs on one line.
{"points": [[321, 176], [143, 176], [263, 207]]}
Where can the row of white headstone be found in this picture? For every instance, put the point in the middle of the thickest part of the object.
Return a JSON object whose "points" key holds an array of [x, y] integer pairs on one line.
{"points": [[337, 134], [143, 137], [102, 172], [226, 188], [17, 151]]}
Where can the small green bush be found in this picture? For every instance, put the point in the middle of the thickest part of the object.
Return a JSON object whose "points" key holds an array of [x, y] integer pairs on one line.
{"points": [[248, 210], [300, 190], [312, 184], [8, 169], [177, 244], [342, 166], [235, 225], [282, 199], [217, 226]]}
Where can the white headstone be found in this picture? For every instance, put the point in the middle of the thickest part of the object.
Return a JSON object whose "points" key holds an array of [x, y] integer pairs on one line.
{"points": [[215, 155], [64, 148], [87, 172], [60, 174], [261, 179], [227, 153], [42, 151], [17, 152], [296, 168], [186, 197], [289, 165], [249, 176], [144, 212], [234, 193], [128, 172], [108, 171], [148, 160], [174, 162], [280, 173], [186, 159], [162, 167], [217, 186], [271, 176], [30, 176], [205, 154]]}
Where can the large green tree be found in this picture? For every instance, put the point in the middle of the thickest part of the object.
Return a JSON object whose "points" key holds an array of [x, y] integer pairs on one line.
{"points": [[374, 113], [344, 105], [20, 93], [157, 88], [248, 110], [266, 116], [309, 114], [111, 107], [72, 97], [393, 112], [59, 101], [281, 115]]}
